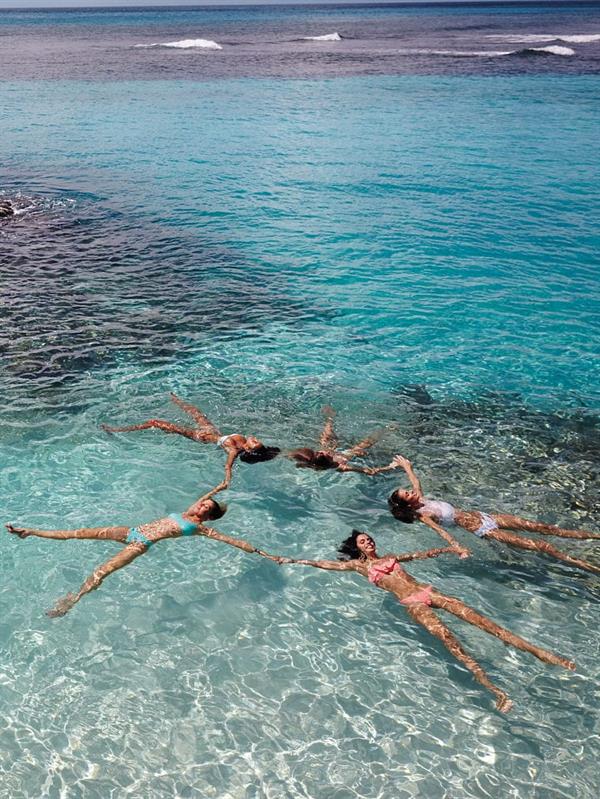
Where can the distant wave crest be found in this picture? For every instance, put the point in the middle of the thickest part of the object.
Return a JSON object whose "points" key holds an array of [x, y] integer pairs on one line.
{"points": [[539, 38], [554, 49], [187, 44], [326, 37]]}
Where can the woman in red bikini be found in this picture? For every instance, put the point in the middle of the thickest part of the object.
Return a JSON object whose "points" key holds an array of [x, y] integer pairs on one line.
{"points": [[247, 448], [358, 554]]}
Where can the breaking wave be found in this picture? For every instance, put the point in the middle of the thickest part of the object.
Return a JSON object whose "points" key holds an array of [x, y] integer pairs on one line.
{"points": [[327, 37], [554, 49], [187, 44], [539, 38]]}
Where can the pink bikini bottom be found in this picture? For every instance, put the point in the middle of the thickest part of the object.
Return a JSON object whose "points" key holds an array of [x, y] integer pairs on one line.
{"points": [[420, 597]]}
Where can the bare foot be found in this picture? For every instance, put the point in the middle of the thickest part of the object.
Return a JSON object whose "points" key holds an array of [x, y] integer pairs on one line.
{"points": [[106, 428], [327, 410], [62, 607], [22, 532], [503, 703]]}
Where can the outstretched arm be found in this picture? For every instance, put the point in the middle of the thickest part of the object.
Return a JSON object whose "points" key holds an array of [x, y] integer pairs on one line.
{"points": [[94, 581], [239, 543], [370, 470], [404, 463], [328, 440], [424, 554], [329, 565], [231, 456], [454, 544]]}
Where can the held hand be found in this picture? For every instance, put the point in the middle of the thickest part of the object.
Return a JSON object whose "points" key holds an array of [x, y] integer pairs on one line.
{"points": [[462, 552], [20, 531], [62, 607]]}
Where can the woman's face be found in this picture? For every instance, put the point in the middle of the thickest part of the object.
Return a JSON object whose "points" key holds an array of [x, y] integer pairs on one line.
{"points": [[252, 443], [205, 508], [365, 544], [410, 497]]}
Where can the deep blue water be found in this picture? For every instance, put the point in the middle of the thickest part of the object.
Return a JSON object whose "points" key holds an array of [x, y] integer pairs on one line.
{"points": [[409, 236]]}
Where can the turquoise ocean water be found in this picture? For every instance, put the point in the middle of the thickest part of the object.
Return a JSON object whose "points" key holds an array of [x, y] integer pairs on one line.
{"points": [[418, 250]]}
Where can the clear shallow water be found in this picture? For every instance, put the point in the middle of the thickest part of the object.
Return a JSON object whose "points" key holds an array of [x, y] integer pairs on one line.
{"points": [[418, 250]]}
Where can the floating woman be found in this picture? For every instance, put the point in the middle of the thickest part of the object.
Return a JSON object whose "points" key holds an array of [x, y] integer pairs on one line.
{"points": [[329, 456], [411, 506], [358, 554], [247, 448], [137, 541]]}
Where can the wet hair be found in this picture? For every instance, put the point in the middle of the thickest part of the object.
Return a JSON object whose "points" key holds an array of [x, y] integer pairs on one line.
{"points": [[259, 454], [401, 508], [348, 549], [308, 458], [216, 511]]}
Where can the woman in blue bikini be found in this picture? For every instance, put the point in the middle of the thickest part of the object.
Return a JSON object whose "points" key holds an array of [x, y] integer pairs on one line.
{"points": [[411, 506], [137, 540], [247, 448]]}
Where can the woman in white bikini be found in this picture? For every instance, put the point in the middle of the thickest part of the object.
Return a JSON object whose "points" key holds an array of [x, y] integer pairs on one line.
{"points": [[248, 449], [411, 506]]}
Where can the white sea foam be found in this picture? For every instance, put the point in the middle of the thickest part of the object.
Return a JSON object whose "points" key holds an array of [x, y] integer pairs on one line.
{"points": [[327, 37], [526, 38], [540, 38], [552, 49], [583, 38], [460, 53], [187, 44]]}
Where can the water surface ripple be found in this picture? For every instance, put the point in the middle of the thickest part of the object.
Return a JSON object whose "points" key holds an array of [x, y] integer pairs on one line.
{"points": [[419, 252]]}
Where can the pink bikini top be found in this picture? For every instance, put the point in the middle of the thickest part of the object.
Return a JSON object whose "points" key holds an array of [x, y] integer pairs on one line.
{"points": [[381, 568]]}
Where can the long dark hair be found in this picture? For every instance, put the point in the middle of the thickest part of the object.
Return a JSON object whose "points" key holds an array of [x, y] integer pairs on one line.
{"points": [[259, 454], [216, 511], [308, 458], [401, 508], [348, 549]]}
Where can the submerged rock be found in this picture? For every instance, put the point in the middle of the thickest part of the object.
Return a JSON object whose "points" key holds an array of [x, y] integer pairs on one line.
{"points": [[6, 209]]}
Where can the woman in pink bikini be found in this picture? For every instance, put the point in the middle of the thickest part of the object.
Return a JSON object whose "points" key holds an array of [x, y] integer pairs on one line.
{"points": [[358, 554], [411, 506], [248, 449]]}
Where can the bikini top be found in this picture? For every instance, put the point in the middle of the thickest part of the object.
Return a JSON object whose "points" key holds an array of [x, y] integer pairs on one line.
{"points": [[187, 526], [223, 440], [381, 568], [442, 511]]}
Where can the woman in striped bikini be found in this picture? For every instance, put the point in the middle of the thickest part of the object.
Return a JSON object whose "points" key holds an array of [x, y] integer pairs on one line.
{"points": [[411, 506]]}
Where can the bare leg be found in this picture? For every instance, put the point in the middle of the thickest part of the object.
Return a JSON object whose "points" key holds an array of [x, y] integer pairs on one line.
{"points": [[328, 440], [361, 448], [102, 533], [95, 579], [201, 420], [425, 616], [541, 546], [458, 608], [156, 424], [508, 522]]}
